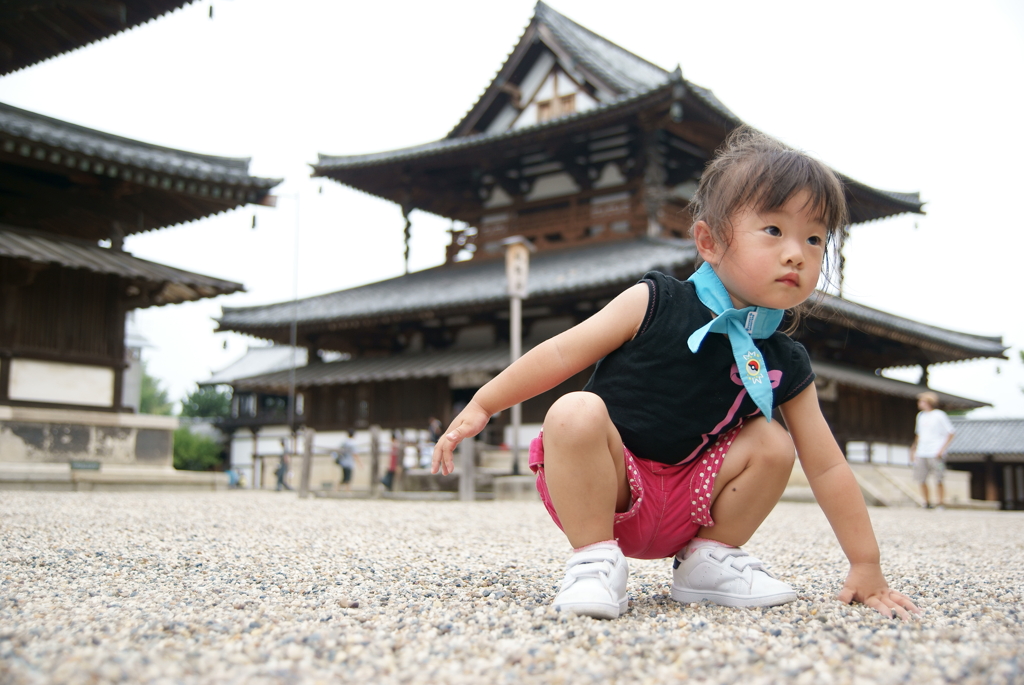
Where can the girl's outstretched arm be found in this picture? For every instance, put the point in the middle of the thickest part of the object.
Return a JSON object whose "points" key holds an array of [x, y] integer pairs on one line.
{"points": [[545, 366], [837, 491]]}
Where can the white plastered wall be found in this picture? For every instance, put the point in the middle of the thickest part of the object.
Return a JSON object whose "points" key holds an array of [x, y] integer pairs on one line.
{"points": [[61, 383]]}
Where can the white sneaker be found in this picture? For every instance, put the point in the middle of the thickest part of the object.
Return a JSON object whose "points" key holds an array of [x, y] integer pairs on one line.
{"points": [[595, 583], [727, 576]]}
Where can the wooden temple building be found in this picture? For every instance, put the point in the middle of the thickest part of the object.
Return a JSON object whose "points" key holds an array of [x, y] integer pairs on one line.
{"points": [[992, 450], [592, 154], [69, 196]]}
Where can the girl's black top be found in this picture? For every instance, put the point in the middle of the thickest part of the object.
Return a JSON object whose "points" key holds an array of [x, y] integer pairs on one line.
{"points": [[670, 404]]}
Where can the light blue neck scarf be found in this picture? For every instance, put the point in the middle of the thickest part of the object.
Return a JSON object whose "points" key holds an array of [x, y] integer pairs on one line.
{"points": [[742, 326]]}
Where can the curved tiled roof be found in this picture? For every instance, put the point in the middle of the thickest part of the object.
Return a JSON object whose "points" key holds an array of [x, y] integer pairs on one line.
{"points": [[556, 272], [979, 438], [259, 361], [32, 32], [375, 369], [471, 283], [139, 186], [174, 285], [861, 378], [879, 322], [866, 203], [30, 127], [326, 163]]}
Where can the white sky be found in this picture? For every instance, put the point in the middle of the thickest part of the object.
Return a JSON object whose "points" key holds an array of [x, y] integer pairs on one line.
{"points": [[903, 96]]}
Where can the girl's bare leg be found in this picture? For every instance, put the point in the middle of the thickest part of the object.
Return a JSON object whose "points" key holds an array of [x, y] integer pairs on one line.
{"points": [[584, 467], [750, 482]]}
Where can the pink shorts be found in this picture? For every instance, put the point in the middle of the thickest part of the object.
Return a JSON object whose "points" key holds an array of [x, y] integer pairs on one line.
{"points": [[668, 503]]}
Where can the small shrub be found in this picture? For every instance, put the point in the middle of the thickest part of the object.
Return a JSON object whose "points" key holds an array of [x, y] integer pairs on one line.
{"points": [[195, 452]]}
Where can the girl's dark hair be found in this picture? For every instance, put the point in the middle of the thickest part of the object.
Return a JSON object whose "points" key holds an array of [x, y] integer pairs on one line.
{"points": [[753, 170]]}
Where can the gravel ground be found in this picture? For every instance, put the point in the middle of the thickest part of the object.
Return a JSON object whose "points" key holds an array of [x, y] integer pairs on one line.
{"points": [[244, 587]]}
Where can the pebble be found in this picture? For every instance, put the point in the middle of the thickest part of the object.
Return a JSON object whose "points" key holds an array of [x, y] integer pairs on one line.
{"points": [[262, 587]]}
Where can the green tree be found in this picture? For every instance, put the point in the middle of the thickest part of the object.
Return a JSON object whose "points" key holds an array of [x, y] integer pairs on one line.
{"points": [[195, 452], [154, 398], [207, 402]]}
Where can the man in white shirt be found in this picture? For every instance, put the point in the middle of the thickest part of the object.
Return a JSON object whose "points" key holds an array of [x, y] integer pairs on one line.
{"points": [[932, 434]]}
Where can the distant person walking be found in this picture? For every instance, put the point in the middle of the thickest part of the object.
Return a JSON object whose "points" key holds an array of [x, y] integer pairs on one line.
{"points": [[435, 428], [396, 461], [932, 434], [346, 459], [282, 468]]}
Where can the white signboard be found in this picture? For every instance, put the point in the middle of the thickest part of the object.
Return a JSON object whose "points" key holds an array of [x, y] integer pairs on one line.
{"points": [[517, 269]]}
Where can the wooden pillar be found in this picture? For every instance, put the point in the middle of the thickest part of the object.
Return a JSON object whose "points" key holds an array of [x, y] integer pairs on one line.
{"points": [[118, 312], [119, 387], [116, 236], [991, 484], [396, 480], [1018, 471], [1008, 489], [9, 314], [257, 482], [443, 405], [467, 470], [14, 274], [307, 462], [374, 459], [5, 376]]}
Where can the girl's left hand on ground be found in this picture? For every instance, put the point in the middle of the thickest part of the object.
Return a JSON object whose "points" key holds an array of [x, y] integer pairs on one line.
{"points": [[866, 584]]}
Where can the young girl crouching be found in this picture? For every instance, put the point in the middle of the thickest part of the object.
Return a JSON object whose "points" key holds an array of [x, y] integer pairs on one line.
{"points": [[670, 449]]}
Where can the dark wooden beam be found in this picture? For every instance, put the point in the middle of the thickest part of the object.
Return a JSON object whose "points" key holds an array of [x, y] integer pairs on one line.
{"points": [[5, 377]]}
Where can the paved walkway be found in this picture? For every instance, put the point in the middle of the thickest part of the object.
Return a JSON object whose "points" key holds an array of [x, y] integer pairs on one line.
{"points": [[243, 587]]}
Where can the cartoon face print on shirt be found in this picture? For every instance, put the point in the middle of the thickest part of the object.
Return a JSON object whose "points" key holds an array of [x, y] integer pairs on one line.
{"points": [[753, 368], [774, 376]]}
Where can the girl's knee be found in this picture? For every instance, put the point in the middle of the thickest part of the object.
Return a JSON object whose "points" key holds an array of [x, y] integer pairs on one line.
{"points": [[774, 446], [576, 412], [780, 451]]}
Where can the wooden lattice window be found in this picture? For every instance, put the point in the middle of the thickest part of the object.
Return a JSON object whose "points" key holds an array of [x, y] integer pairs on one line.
{"points": [[545, 110], [558, 106]]}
